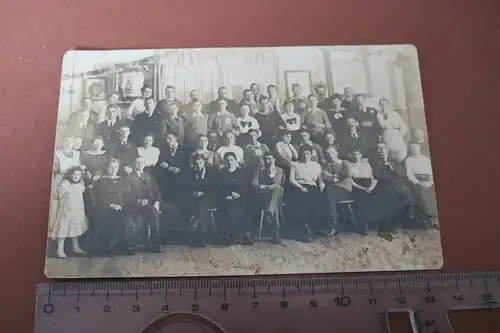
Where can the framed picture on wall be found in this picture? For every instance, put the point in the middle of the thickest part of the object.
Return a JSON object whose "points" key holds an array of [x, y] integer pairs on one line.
{"points": [[96, 88], [130, 78], [300, 78]]}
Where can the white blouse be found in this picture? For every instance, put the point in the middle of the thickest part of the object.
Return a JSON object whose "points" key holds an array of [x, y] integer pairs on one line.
{"points": [[417, 165], [362, 169], [245, 124], [393, 122], [307, 173], [292, 121], [150, 155]]}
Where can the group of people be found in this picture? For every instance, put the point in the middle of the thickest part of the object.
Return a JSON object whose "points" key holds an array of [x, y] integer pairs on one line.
{"points": [[125, 181]]}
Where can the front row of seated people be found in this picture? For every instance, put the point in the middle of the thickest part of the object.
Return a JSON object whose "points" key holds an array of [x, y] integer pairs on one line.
{"points": [[126, 196]]}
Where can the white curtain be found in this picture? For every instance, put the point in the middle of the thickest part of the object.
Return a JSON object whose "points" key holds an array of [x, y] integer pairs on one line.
{"points": [[207, 69]]}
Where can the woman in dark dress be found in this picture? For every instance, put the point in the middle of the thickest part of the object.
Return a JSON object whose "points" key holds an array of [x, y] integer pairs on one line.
{"points": [[113, 230], [305, 196], [337, 175], [232, 193], [363, 188]]}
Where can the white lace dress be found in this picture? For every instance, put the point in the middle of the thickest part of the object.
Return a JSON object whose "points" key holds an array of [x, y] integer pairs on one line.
{"points": [[70, 220]]}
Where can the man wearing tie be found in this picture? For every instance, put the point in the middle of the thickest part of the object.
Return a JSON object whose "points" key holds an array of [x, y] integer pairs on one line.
{"points": [[171, 162], [257, 96], [353, 140], [109, 129], [146, 204], [200, 187], [124, 150], [149, 122]]}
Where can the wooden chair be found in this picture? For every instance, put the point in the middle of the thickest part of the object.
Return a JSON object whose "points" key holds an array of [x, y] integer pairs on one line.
{"points": [[349, 204]]}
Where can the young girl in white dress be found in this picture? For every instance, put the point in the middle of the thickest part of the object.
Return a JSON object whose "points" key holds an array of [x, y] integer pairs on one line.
{"points": [[393, 130], [70, 221]]}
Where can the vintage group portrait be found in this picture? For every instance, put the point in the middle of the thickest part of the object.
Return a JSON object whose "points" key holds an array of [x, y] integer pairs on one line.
{"points": [[241, 161]]}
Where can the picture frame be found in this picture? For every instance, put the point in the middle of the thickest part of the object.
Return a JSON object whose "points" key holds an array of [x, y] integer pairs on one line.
{"points": [[96, 88], [128, 80], [301, 77]]}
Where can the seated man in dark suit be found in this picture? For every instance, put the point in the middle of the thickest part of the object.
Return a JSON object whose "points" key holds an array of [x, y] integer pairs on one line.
{"points": [[145, 201], [171, 164], [149, 122], [393, 187], [353, 139], [109, 129], [200, 186], [124, 150]]}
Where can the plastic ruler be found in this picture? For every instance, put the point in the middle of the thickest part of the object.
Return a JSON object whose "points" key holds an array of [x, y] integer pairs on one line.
{"points": [[265, 305]]}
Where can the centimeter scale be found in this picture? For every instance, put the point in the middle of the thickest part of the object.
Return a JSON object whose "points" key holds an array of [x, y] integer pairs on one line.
{"points": [[264, 305]]}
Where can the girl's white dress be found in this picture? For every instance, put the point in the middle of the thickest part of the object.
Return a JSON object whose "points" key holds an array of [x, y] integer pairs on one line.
{"points": [[64, 163], [70, 219]]}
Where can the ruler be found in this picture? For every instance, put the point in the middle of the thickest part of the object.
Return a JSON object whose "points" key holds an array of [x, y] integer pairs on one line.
{"points": [[271, 304]]}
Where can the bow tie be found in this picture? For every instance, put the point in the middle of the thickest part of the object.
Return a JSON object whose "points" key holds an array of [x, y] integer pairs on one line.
{"points": [[354, 135], [291, 121], [338, 115], [246, 123]]}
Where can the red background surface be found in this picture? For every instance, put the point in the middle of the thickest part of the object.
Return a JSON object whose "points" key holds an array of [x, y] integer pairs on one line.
{"points": [[459, 66]]}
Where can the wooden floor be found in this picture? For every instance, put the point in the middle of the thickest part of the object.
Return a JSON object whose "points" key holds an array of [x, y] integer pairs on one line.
{"points": [[408, 250]]}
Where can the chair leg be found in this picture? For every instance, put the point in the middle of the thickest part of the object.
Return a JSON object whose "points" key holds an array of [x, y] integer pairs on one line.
{"points": [[214, 225], [351, 212], [261, 223]]}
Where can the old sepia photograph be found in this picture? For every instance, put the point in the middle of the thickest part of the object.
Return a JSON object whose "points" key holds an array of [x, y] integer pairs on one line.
{"points": [[241, 161]]}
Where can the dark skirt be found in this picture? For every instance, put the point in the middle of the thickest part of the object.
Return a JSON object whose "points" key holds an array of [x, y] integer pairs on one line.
{"points": [[271, 202], [425, 199], [305, 207], [233, 217], [388, 202]]}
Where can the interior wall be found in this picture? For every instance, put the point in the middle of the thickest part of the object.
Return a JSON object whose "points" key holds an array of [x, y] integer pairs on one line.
{"points": [[390, 72]]}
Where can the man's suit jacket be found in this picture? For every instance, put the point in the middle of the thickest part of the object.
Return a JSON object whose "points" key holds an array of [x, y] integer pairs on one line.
{"points": [[348, 143], [109, 133], [126, 153], [144, 187], [145, 124], [176, 125], [177, 159], [206, 184]]}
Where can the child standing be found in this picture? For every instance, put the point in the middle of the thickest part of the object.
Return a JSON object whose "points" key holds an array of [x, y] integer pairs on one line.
{"points": [[70, 221]]}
